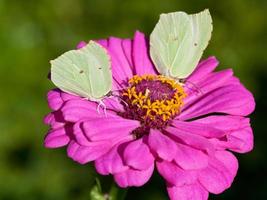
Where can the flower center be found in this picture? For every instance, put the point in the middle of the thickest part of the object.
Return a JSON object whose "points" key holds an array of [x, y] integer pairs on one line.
{"points": [[153, 99]]}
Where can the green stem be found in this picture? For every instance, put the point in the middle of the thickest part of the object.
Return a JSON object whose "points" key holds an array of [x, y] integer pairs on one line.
{"points": [[117, 193]]}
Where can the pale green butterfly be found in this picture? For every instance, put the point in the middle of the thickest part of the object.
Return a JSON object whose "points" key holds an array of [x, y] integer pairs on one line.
{"points": [[84, 72], [178, 41]]}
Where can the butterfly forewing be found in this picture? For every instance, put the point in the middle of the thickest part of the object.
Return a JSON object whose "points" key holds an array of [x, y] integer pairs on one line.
{"points": [[201, 24]]}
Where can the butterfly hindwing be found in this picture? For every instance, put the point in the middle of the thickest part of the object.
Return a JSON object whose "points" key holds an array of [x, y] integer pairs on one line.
{"points": [[99, 75]]}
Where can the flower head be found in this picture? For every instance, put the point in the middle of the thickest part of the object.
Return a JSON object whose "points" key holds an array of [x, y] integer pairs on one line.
{"points": [[186, 131]]}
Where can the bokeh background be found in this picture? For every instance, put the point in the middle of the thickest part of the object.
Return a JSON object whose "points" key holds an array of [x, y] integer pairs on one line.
{"points": [[32, 32]]}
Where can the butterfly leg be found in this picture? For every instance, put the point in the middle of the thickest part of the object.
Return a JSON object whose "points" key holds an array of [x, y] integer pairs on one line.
{"points": [[101, 104]]}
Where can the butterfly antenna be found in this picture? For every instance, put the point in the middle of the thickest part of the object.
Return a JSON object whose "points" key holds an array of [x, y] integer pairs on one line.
{"points": [[117, 96], [124, 102]]}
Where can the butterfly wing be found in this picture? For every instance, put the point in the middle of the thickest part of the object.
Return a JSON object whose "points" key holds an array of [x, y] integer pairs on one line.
{"points": [[178, 41], [84, 72]]}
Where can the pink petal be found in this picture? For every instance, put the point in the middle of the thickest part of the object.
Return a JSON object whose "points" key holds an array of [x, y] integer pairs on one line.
{"points": [[211, 81], [81, 45], [232, 99], [79, 135], [196, 141], [121, 69], [229, 161], [113, 104], [84, 154], [103, 42], [137, 155], [127, 49], [78, 109], [54, 119], [174, 175], [54, 99], [162, 145], [111, 162], [109, 128], [225, 122], [219, 175], [240, 141], [66, 96], [142, 61], [188, 192], [197, 128], [75, 110], [133, 177], [49, 118], [57, 137], [239, 137], [189, 158], [203, 69]]}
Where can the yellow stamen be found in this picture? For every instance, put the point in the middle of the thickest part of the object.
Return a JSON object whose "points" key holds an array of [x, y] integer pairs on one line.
{"points": [[166, 108]]}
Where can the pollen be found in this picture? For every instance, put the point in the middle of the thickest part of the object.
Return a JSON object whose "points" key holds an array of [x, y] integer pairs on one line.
{"points": [[153, 99]]}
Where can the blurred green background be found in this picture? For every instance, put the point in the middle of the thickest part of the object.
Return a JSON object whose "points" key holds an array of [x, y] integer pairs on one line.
{"points": [[34, 31]]}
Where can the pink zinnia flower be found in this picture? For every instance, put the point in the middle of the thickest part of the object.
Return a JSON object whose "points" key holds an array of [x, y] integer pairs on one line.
{"points": [[186, 131]]}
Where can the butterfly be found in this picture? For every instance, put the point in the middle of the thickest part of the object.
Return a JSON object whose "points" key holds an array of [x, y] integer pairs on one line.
{"points": [[84, 72], [178, 41]]}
